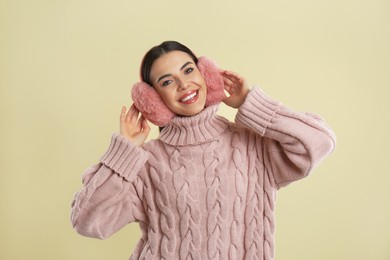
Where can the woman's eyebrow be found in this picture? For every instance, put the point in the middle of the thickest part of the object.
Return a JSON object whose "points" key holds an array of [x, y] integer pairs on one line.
{"points": [[168, 75], [164, 76], [185, 64]]}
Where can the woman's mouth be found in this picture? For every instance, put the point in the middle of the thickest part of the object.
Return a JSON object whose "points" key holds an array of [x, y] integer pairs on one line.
{"points": [[189, 97]]}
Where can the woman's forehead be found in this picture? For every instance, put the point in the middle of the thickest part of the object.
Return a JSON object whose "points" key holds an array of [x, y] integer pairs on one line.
{"points": [[168, 63]]}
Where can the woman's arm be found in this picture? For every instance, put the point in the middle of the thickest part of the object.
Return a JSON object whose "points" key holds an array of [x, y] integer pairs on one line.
{"points": [[294, 143], [111, 196], [112, 192]]}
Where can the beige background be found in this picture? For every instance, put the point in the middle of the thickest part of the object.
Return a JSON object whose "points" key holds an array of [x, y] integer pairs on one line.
{"points": [[68, 66]]}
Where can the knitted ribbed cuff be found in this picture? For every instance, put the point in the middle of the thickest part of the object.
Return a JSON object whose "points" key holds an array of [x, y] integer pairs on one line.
{"points": [[257, 111], [124, 157]]}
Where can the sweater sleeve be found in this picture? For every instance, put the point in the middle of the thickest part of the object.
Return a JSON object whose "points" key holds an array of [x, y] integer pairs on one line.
{"points": [[111, 193], [293, 143]]}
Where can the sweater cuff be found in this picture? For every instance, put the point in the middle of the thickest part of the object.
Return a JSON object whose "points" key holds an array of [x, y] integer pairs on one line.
{"points": [[124, 157], [258, 111]]}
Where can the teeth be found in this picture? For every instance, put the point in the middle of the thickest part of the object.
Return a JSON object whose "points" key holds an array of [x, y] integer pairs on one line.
{"points": [[188, 97]]}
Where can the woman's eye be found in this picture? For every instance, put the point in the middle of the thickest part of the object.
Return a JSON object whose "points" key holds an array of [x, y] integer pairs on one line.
{"points": [[189, 70], [166, 83]]}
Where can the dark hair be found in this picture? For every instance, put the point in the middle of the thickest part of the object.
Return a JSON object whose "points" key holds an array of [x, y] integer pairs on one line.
{"points": [[158, 51]]}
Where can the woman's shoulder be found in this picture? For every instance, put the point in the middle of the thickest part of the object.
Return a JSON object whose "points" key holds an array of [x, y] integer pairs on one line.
{"points": [[153, 145], [238, 135], [238, 129]]}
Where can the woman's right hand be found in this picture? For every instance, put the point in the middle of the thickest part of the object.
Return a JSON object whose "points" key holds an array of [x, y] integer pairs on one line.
{"points": [[133, 128]]}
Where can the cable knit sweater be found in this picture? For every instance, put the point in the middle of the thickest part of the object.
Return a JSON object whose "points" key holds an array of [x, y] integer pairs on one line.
{"points": [[206, 188]]}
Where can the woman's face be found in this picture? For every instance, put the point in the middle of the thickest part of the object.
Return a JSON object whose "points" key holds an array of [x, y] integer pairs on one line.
{"points": [[179, 83]]}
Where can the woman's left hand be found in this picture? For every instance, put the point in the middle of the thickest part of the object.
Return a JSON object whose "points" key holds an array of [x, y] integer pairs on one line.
{"points": [[237, 88]]}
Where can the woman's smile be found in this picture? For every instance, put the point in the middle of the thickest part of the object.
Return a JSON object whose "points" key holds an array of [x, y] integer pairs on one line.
{"points": [[190, 97]]}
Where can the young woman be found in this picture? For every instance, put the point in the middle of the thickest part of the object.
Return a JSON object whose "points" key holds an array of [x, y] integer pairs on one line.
{"points": [[206, 188]]}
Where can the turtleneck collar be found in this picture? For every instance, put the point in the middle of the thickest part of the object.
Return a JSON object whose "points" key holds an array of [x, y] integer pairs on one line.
{"points": [[194, 129]]}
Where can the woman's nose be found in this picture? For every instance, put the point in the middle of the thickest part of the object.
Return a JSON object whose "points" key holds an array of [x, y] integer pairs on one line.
{"points": [[182, 84]]}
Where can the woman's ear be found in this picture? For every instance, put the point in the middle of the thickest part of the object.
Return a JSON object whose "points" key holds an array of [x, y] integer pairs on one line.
{"points": [[149, 103], [213, 79]]}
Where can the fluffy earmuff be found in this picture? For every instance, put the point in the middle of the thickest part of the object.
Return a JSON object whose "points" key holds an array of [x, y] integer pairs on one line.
{"points": [[149, 103]]}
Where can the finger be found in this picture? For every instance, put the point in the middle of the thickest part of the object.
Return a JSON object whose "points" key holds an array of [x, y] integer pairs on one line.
{"points": [[227, 81], [230, 86], [122, 119], [232, 75], [134, 115], [238, 82], [123, 113], [145, 125], [234, 78], [140, 123], [129, 113], [228, 72], [229, 90]]}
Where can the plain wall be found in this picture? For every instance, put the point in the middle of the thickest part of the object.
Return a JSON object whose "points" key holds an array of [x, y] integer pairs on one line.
{"points": [[67, 67]]}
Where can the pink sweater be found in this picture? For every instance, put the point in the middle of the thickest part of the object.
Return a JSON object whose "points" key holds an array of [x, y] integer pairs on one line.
{"points": [[206, 188]]}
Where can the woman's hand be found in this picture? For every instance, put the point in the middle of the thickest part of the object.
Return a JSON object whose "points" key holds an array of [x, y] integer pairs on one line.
{"points": [[237, 88], [134, 128]]}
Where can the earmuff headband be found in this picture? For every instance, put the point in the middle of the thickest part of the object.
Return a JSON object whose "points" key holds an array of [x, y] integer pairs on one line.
{"points": [[149, 103]]}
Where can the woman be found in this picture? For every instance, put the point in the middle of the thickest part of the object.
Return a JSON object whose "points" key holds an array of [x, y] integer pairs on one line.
{"points": [[205, 189]]}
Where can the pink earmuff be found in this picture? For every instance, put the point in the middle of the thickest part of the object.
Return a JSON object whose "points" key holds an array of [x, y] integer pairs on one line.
{"points": [[149, 103]]}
